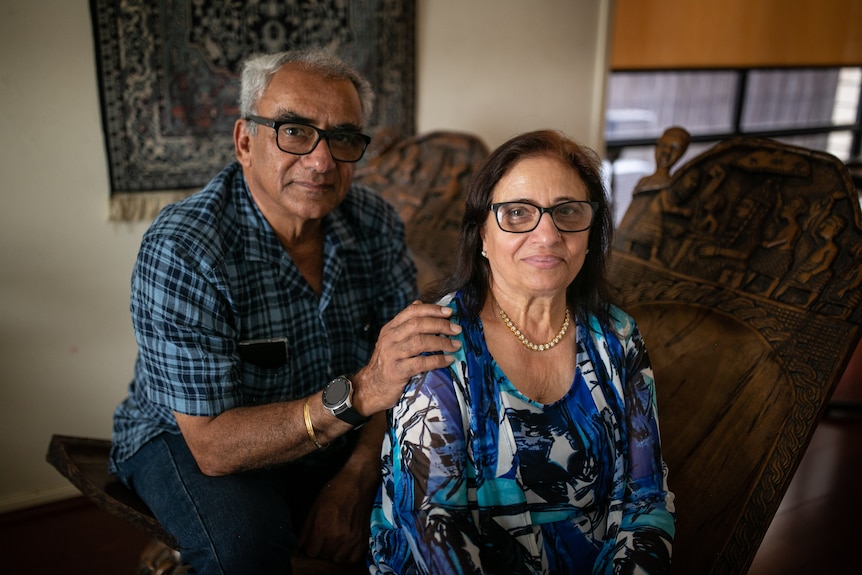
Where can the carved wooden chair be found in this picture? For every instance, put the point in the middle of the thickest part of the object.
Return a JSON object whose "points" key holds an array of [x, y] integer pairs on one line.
{"points": [[424, 178], [744, 275]]}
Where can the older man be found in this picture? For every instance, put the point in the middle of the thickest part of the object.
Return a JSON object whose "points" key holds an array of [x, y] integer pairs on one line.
{"points": [[273, 317]]}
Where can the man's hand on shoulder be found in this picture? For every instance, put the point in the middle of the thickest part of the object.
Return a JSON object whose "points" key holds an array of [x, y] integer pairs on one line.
{"points": [[416, 340]]}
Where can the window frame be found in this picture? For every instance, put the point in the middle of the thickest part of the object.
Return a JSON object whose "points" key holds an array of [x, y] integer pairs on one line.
{"points": [[615, 146]]}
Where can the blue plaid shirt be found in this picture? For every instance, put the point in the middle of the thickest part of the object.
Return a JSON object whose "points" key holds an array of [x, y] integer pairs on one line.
{"points": [[211, 273]]}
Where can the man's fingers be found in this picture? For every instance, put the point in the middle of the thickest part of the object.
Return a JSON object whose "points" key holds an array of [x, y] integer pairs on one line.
{"points": [[400, 360], [423, 363], [416, 340], [420, 318]]}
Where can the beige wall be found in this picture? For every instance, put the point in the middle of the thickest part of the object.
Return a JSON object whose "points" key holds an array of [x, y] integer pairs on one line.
{"points": [[492, 67], [501, 67]]}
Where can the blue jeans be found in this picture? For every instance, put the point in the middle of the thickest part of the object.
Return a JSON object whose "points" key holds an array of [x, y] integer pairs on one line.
{"points": [[247, 522]]}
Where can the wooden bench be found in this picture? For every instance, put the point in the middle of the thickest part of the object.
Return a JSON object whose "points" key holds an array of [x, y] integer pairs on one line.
{"points": [[84, 462]]}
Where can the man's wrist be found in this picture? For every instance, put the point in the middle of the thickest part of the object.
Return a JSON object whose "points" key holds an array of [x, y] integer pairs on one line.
{"points": [[337, 399], [358, 399]]}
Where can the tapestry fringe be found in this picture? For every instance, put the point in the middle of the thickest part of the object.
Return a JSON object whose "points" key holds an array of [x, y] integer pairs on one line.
{"points": [[143, 206]]}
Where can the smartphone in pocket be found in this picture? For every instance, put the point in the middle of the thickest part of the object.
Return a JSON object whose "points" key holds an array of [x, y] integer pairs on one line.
{"points": [[270, 352]]}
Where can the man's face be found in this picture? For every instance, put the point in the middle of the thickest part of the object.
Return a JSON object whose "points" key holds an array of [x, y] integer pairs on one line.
{"points": [[292, 190]]}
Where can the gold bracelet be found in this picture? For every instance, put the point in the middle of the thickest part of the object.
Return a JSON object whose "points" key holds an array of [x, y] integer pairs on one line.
{"points": [[309, 428]]}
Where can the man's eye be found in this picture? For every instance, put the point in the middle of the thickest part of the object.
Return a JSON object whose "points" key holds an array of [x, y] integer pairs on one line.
{"points": [[344, 137], [294, 131]]}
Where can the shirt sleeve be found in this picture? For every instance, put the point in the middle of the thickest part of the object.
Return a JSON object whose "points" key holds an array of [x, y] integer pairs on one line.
{"points": [[421, 523], [646, 532], [185, 339]]}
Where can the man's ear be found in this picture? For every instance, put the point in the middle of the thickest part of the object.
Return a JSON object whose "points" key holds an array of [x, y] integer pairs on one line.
{"points": [[242, 142]]}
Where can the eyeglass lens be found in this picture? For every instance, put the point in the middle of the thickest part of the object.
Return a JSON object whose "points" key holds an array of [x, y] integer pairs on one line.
{"points": [[344, 145], [518, 217]]}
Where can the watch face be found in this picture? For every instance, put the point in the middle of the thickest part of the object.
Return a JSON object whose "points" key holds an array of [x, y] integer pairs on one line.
{"points": [[337, 392]]}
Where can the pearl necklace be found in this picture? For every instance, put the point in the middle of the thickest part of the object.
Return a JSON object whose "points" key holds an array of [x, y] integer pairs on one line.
{"points": [[523, 339]]}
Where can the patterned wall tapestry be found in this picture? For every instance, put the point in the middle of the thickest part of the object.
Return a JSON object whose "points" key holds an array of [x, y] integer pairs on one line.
{"points": [[168, 80]]}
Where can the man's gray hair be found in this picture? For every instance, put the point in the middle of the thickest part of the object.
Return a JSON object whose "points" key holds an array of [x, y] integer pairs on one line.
{"points": [[258, 70]]}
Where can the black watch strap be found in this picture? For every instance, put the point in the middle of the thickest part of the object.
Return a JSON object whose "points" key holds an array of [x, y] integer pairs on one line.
{"points": [[351, 416]]}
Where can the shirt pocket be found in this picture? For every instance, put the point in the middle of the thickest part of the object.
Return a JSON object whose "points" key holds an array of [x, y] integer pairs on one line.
{"points": [[266, 370]]}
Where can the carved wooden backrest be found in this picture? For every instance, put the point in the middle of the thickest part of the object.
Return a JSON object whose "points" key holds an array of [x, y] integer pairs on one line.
{"points": [[744, 276], [424, 178]]}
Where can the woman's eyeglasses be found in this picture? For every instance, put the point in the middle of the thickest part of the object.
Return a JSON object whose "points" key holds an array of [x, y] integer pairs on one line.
{"points": [[523, 217]]}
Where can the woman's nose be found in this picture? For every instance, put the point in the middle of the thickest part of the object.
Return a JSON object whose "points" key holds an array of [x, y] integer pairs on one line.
{"points": [[546, 226]]}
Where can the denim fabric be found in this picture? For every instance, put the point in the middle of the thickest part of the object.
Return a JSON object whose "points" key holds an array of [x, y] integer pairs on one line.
{"points": [[245, 523]]}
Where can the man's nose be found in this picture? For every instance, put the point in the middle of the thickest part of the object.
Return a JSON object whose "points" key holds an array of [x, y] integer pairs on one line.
{"points": [[321, 157]]}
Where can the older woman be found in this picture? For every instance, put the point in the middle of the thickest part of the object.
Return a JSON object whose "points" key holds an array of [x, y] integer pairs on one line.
{"points": [[537, 451]]}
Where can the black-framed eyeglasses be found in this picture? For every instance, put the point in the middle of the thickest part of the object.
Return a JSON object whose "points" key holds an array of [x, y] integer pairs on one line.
{"points": [[301, 139], [523, 217]]}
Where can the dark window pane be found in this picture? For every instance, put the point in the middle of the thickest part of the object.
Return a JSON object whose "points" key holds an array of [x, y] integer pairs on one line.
{"points": [[780, 99], [836, 143], [644, 104]]}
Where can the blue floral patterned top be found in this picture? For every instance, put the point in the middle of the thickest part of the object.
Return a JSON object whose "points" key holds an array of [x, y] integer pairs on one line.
{"points": [[478, 478]]}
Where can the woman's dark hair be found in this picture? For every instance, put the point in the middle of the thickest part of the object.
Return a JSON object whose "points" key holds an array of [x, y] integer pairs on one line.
{"points": [[588, 292]]}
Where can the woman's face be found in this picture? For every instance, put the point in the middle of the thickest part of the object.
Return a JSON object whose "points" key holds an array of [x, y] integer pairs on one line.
{"points": [[542, 262]]}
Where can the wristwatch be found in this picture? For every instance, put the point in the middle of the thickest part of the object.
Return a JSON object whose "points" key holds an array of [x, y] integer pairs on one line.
{"points": [[337, 400]]}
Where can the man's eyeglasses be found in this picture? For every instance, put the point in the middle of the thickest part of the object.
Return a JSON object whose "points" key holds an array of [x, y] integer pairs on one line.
{"points": [[301, 139], [523, 217]]}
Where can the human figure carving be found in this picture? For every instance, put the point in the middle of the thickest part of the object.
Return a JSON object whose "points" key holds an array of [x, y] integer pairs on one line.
{"points": [[853, 279], [668, 150], [650, 230], [776, 256], [741, 237], [813, 272]]}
